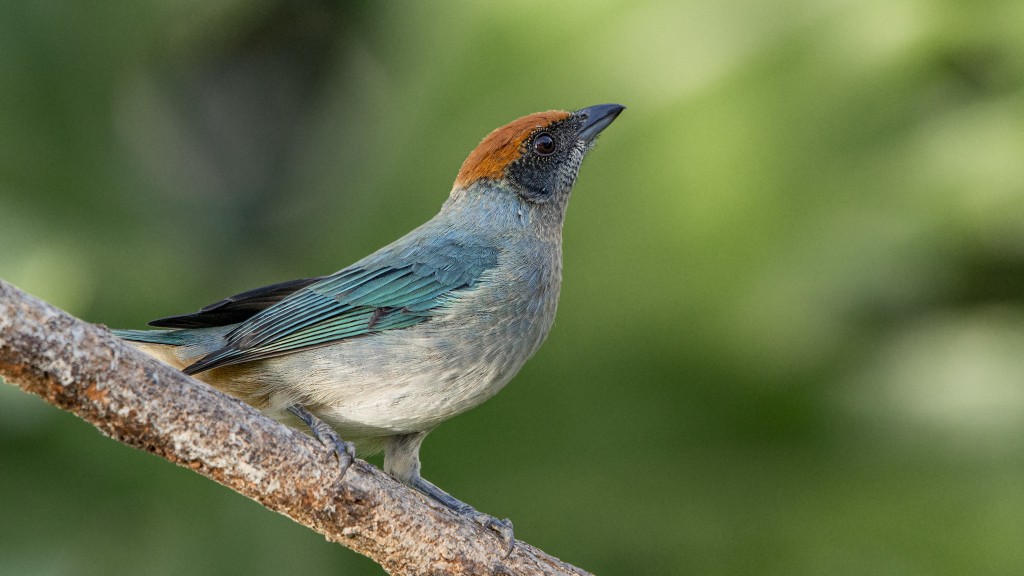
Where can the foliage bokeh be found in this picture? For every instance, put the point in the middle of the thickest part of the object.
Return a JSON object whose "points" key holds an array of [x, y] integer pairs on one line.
{"points": [[791, 337]]}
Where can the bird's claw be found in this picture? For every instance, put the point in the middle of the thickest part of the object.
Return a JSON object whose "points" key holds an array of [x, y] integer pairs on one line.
{"points": [[502, 527], [344, 451]]}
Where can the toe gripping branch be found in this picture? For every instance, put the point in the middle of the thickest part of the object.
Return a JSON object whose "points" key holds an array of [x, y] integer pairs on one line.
{"points": [[502, 527], [344, 451]]}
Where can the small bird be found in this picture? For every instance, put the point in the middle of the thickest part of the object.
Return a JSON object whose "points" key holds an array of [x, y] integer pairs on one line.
{"points": [[428, 327]]}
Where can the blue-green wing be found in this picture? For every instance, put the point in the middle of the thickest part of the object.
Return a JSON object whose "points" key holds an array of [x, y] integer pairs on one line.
{"points": [[395, 290]]}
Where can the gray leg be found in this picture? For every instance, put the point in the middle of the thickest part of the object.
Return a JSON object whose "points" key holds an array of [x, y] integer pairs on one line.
{"points": [[344, 451], [402, 460]]}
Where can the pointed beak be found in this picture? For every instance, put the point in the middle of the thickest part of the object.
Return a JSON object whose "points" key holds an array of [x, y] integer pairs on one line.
{"points": [[596, 119]]}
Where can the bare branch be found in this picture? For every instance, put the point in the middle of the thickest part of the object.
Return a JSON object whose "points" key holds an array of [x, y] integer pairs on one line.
{"points": [[141, 402]]}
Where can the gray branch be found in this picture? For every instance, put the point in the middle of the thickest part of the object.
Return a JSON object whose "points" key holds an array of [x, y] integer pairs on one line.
{"points": [[138, 401]]}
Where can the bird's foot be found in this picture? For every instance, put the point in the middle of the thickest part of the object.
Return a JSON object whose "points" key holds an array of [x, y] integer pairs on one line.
{"points": [[502, 527], [344, 451]]}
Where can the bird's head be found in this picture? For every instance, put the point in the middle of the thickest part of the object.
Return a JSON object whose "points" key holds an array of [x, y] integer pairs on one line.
{"points": [[537, 156]]}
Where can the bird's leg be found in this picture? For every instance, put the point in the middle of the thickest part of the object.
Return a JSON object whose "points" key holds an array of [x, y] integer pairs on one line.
{"points": [[344, 451], [402, 460], [502, 527]]}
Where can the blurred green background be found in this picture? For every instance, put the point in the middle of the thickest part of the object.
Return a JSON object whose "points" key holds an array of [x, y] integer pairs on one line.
{"points": [[791, 335]]}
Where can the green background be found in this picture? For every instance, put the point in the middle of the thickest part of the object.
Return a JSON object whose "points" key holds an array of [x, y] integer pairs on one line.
{"points": [[791, 335]]}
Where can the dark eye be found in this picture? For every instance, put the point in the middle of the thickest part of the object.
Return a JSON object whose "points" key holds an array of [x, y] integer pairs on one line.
{"points": [[544, 144]]}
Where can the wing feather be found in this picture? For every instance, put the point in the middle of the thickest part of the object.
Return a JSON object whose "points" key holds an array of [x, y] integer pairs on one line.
{"points": [[391, 291]]}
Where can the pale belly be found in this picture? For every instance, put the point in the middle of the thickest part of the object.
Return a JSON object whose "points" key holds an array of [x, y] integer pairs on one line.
{"points": [[408, 380]]}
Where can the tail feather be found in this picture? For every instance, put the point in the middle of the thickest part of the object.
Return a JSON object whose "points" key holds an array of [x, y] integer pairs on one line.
{"points": [[179, 348], [168, 337]]}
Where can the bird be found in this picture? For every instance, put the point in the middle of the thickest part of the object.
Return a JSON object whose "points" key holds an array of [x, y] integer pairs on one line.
{"points": [[377, 355]]}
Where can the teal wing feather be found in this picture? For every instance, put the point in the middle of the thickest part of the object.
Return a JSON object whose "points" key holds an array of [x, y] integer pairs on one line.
{"points": [[392, 291]]}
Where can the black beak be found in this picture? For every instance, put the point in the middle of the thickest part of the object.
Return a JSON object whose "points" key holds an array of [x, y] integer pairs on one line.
{"points": [[596, 119]]}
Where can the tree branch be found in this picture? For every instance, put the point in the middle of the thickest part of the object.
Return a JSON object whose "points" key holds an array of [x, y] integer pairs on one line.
{"points": [[136, 400]]}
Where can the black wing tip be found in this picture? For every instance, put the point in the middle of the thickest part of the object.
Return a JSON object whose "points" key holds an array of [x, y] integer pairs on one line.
{"points": [[183, 321], [237, 308]]}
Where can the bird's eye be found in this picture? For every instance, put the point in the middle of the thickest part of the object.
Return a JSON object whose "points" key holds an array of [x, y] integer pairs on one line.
{"points": [[544, 144]]}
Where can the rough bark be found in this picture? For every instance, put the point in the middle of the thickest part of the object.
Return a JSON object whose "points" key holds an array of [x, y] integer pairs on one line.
{"points": [[136, 400]]}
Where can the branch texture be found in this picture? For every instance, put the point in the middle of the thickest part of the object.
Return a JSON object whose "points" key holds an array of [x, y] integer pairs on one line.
{"points": [[136, 400]]}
